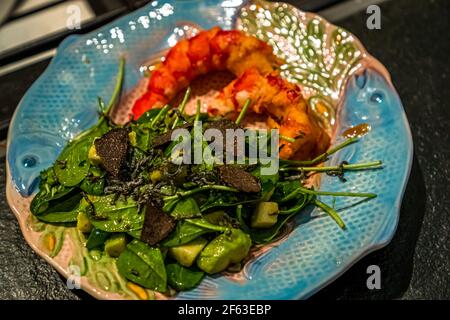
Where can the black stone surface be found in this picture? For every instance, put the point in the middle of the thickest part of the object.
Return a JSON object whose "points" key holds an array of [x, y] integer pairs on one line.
{"points": [[414, 45]]}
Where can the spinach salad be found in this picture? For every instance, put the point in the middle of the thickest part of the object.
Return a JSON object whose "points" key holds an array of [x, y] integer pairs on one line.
{"points": [[170, 224]]}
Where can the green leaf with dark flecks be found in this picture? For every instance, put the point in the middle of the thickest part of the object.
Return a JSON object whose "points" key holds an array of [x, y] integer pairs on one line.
{"points": [[181, 278], [108, 215], [185, 208], [186, 231], [72, 165], [143, 265], [63, 209]]}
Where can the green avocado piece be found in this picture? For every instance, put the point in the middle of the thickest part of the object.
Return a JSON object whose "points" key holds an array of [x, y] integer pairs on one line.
{"points": [[187, 253], [116, 244], [225, 249], [265, 215], [83, 223]]}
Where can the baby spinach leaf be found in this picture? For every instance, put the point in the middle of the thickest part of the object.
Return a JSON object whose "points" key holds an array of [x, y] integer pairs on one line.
{"points": [[181, 278], [119, 216], [94, 183], [143, 265], [148, 116], [142, 136], [185, 208], [135, 233], [190, 229], [61, 210], [184, 233], [72, 165], [49, 189]]}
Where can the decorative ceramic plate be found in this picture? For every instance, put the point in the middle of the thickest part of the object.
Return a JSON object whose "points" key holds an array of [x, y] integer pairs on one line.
{"points": [[342, 82]]}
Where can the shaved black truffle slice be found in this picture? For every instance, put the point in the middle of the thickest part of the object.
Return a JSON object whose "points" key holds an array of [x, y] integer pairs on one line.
{"points": [[112, 149], [157, 225], [239, 179], [165, 138]]}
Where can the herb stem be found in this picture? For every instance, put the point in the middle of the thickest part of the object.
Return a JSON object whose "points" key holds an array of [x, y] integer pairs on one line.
{"points": [[117, 87], [331, 212], [303, 190], [197, 113], [182, 106], [322, 157], [243, 111], [337, 194], [355, 166], [160, 114], [205, 224], [199, 189], [240, 219]]}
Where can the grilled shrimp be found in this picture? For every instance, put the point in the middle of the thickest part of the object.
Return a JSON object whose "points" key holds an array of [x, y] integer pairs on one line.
{"points": [[285, 107], [211, 50]]}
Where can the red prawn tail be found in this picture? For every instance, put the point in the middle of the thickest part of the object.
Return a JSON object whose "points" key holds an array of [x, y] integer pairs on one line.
{"points": [[148, 101]]}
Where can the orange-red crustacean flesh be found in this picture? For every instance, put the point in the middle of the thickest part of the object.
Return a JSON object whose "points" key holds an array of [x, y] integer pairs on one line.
{"points": [[255, 66], [285, 107], [211, 50]]}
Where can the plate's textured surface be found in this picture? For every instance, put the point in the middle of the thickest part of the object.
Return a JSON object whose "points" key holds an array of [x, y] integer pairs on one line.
{"points": [[63, 102]]}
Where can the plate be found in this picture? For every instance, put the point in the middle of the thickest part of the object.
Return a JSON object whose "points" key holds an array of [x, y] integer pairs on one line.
{"points": [[342, 81]]}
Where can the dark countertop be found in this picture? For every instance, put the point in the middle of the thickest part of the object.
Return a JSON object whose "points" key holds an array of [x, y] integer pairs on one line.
{"points": [[414, 44]]}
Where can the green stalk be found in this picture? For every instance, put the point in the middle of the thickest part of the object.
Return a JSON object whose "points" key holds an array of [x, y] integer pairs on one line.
{"points": [[240, 219], [243, 111], [331, 212], [199, 189], [356, 166], [182, 106], [117, 87], [197, 113], [322, 157], [160, 114], [303, 190], [337, 194], [205, 224]]}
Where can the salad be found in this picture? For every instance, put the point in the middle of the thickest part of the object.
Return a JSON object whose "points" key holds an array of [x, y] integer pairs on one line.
{"points": [[168, 224]]}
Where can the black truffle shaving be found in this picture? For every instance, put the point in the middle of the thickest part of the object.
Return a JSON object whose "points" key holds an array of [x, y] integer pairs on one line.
{"points": [[157, 225], [112, 149], [239, 179]]}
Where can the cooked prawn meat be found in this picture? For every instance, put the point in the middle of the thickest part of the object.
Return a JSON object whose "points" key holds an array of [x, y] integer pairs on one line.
{"points": [[284, 106], [255, 67], [212, 50]]}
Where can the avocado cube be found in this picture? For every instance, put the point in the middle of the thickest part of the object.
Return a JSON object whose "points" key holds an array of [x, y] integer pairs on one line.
{"points": [[265, 215], [187, 253], [93, 157], [83, 223], [116, 244]]}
